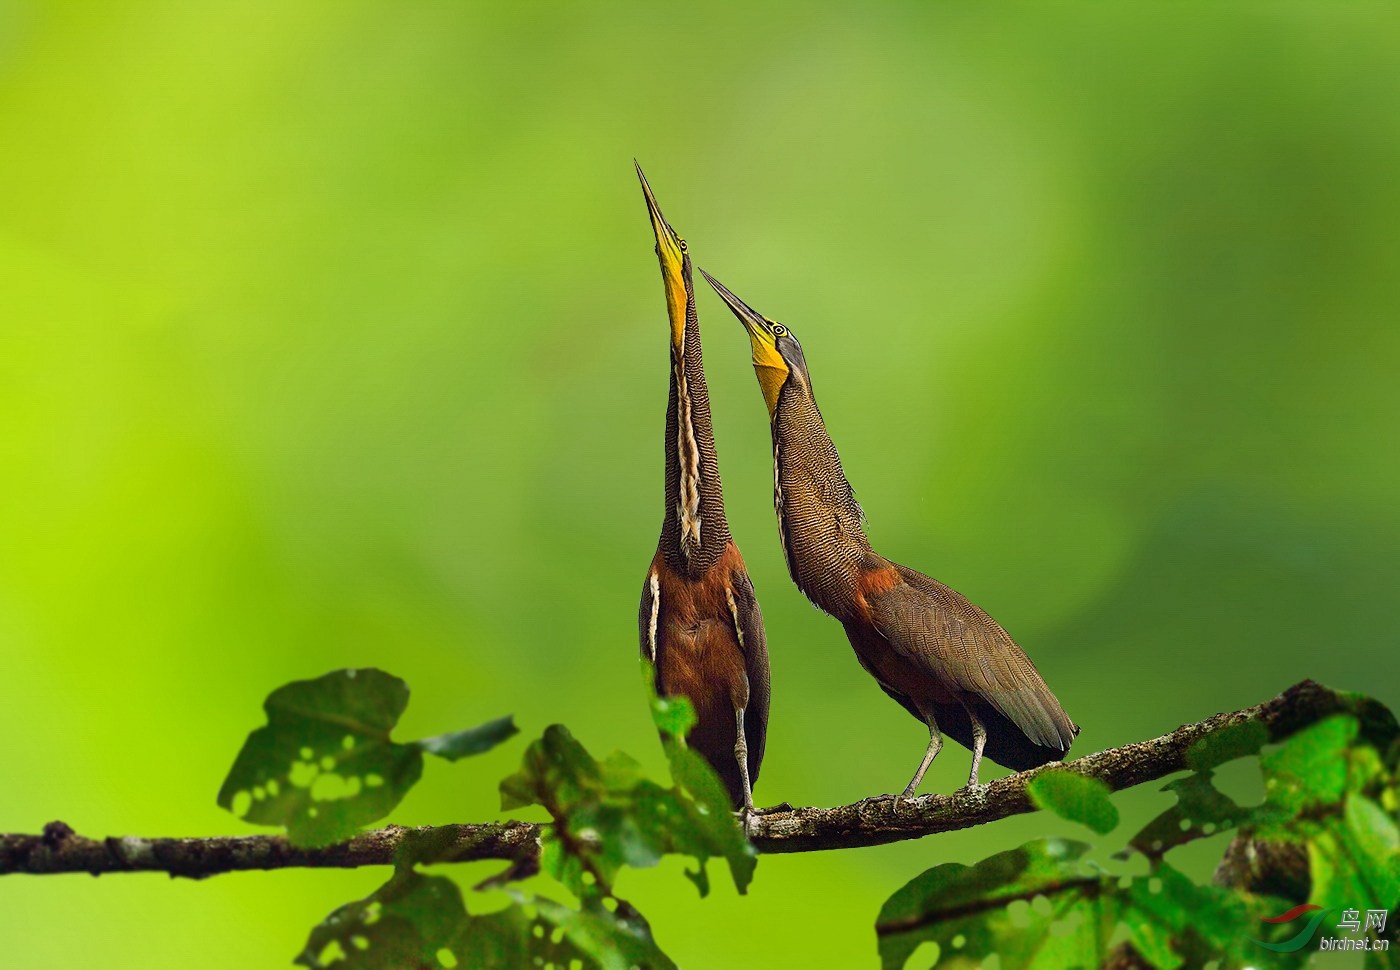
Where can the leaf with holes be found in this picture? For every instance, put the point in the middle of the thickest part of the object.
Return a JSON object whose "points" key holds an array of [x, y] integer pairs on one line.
{"points": [[598, 938], [403, 924], [324, 765], [1075, 797], [1310, 768], [712, 824], [607, 814], [674, 717], [1202, 919], [971, 912], [1201, 810], [416, 922], [1040, 906]]}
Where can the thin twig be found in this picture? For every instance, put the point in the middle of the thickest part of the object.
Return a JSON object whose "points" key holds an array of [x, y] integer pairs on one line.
{"points": [[873, 821]]}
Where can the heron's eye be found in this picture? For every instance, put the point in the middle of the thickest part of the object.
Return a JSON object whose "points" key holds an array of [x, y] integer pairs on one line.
{"points": [[683, 246], [779, 330]]}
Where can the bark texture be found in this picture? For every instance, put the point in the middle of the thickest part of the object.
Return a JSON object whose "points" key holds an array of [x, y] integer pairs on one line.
{"points": [[60, 849]]}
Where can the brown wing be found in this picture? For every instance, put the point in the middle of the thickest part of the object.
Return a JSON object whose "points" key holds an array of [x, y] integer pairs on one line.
{"points": [[966, 649], [749, 624]]}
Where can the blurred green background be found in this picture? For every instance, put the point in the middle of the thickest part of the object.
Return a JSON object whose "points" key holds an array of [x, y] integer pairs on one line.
{"points": [[331, 335]]}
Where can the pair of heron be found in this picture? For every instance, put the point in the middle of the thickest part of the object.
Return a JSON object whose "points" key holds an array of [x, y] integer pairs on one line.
{"points": [[943, 659]]}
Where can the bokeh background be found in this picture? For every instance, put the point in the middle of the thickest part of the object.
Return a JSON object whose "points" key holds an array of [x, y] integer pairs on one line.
{"points": [[331, 335]]}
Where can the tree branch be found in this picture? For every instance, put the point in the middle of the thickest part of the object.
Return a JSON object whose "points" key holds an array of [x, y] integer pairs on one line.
{"points": [[874, 821], [60, 850]]}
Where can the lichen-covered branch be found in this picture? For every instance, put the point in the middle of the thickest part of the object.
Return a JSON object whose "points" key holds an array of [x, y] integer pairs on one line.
{"points": [[60, 849], [874, 821]]}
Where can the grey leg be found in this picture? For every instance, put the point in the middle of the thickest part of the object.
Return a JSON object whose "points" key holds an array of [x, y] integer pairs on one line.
{"points": [[935, 743], [741, 753], [979, 741]]}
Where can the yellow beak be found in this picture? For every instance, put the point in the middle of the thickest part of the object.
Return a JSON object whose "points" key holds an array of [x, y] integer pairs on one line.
{"points": [[675, 269], [768, 363]]}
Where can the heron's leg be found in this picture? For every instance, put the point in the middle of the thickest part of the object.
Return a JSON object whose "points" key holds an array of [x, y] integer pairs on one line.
{"points": [[935, 743], [741, 753], [979, 742]]}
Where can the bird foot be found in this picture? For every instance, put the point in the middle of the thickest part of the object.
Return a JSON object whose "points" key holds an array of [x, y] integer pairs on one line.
{"points": [[780, 807], [903, 797], [869, 800]]}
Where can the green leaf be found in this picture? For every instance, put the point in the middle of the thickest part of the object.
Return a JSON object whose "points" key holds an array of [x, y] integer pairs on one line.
{"points": [[1377, 841], [418, 921], [1039, 906], [609, 941], [324, 765], [1075, 797], [477, 740], [607, 814], [696, 777], [1228, 743], [403, 924], [1174, 904], [1310, 768], [1355, 859], [974, 911], [673, 716], [538, 932], [1388, 959], [714, 822], [1364, 768], [1201, 810]]}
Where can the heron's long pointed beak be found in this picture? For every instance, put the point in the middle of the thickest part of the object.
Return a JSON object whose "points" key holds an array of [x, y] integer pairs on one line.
{"points": [[748, 316], [675, 264], [768, 363]]}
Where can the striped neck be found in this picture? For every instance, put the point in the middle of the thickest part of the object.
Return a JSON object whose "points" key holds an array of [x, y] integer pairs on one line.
{"points": [[695, 531], [819, 520]]}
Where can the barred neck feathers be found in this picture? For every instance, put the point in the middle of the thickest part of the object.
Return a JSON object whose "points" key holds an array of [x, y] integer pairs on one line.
{"points": [[819, 520], [695, 531]]}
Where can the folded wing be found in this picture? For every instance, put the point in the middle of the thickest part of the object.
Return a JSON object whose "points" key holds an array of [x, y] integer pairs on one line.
{"points": [[968, 651]]}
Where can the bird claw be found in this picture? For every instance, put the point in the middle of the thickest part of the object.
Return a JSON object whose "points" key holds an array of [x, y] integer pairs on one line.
{"points": [[869, 800], [772, 809], [902, 797]]}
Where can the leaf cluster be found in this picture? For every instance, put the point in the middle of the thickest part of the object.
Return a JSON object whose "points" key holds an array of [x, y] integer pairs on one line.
{"points": [[607, 814], [325, 765], [1330, 790]]}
